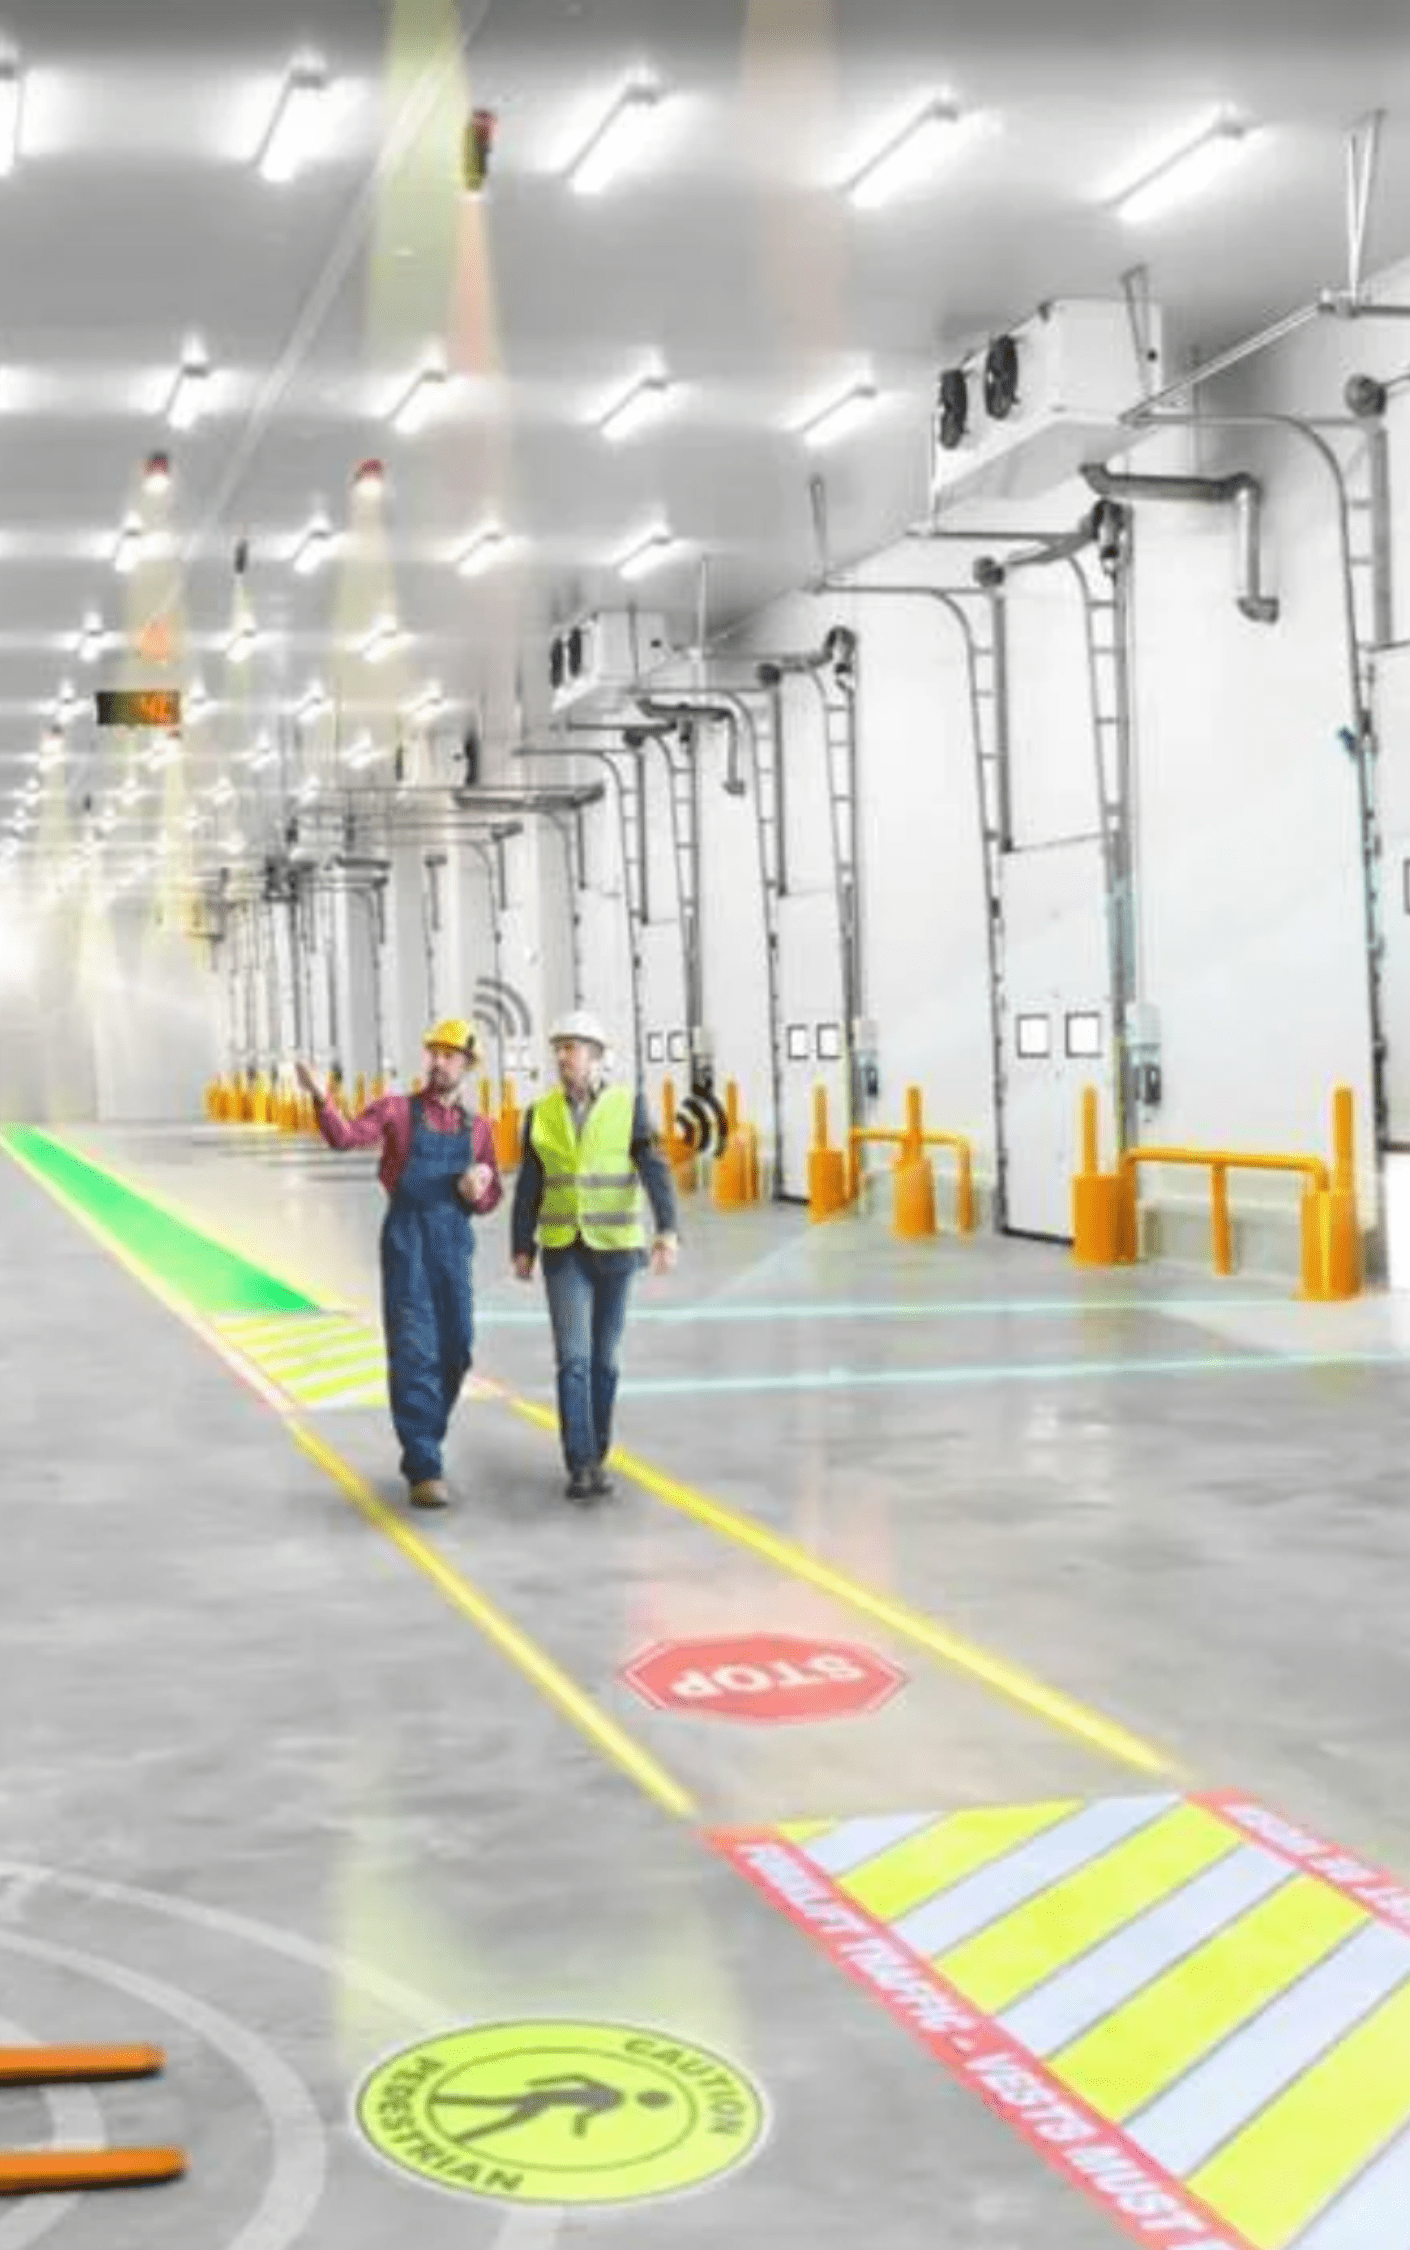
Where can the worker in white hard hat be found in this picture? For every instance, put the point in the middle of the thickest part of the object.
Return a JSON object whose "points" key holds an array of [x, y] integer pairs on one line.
{"points": [[589, 1150], [438, 1167]]}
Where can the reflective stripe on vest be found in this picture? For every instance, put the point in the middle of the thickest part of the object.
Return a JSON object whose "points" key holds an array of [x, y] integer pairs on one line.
{"points": [[590, 1186]]}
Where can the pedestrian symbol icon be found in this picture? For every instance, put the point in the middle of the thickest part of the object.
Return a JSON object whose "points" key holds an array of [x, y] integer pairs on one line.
{"points": [[562, 2113]]}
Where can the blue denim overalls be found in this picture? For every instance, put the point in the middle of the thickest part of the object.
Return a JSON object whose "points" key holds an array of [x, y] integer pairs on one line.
{"points": [[427, 1307]]}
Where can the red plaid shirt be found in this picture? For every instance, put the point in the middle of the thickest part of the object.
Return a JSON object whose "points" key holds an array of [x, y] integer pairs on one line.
{"points": [[388, 1123]]}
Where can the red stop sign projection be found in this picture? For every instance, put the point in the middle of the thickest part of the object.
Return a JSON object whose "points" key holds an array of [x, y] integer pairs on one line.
{"points": [[766, 1679]]}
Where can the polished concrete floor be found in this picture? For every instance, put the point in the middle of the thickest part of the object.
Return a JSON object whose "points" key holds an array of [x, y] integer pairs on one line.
{"points": [[290, 1784]]}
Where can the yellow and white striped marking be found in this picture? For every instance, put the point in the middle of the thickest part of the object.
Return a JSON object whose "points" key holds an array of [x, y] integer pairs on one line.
{"points": [[324, 1361], [1243, 2022]]}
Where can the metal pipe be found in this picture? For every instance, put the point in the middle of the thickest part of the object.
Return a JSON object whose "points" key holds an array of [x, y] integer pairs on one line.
{"points": [[713, 713], [1241, 488]]}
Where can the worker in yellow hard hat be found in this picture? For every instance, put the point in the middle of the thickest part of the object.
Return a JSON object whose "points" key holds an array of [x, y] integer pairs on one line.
{"points": [[438, 1167]]}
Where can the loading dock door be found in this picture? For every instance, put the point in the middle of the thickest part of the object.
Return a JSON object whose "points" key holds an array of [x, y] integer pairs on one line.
{"points": [[1057, 1031], [813, 1037]]}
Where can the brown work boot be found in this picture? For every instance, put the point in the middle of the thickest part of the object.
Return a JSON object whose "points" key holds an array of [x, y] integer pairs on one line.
{"points": [[430, 1493]]}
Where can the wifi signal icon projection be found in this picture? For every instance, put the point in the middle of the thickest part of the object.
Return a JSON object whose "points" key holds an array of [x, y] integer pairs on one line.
{"points": [[502, 1009], [702, 1124]]}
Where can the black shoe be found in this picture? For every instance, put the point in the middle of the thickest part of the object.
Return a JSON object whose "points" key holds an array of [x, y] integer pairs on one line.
{"points": [[582, 1487], [601, 1482]]}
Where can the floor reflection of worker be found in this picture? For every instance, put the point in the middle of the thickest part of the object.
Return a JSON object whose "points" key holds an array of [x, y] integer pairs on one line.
{"points": [[573, 2094], [589, 1148], [438, 1166]]}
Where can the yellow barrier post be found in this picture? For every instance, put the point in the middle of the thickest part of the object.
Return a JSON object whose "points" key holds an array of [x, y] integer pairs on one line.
{"points": [[1221, 1236], [1338, 1223], [732, 1181], [913, 1211], [827, 1167], [509, 1129], [1099, 1221]]}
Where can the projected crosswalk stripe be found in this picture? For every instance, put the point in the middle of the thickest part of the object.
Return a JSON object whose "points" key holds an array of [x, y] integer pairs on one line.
{"points": [[1124, 2062], [1327, 2127], [940, 1924], [1067, 1919], [1184, 2127], [943, 1853], [1373, 2213], [857, 1841]]}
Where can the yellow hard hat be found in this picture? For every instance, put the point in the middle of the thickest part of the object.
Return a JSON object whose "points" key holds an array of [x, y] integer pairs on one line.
{"points": [[456, 1033]]}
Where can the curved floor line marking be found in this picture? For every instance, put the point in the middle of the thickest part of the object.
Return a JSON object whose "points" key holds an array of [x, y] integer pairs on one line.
{"points": [[77, 2120], [522, 2230], [300, 2163]]}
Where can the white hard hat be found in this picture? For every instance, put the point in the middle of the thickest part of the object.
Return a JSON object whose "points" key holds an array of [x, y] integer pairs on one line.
{"points": [[578, 1025]]}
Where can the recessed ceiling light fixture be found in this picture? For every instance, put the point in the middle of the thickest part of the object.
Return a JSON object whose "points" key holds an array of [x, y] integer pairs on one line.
{"points": [[359, 754], [296, 127], [384, 637], [191, 389], [428, 704], [11, 108], [637, 409], [1195, 163], [91, 640], [262, 756], [314, 702], [416, 404], [618, 141], [482, 552], [910, 157], [648, 554], [128, 551], [69, 704], [840, 417], [241, 645], [313, 550]]}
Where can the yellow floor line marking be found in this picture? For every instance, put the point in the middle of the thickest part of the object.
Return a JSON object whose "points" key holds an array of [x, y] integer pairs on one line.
{"points": [[1133, 2055], [1008, 1680], [551, 1681], [943, 1854], [999, 1965]]}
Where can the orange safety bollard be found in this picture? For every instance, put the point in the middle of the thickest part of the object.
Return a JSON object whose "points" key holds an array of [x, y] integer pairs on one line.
{"points": [[1099, 1215], [913, 1210], [736, 1171], [827, 1167], [1339, 1260], [508, 1129]]}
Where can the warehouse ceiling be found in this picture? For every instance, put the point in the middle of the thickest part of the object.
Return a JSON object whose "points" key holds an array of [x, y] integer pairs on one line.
{"points": [[136, 230]]}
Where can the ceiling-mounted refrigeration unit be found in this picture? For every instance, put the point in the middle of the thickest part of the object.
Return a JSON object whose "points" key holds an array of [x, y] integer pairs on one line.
{"points": [[1026, 411], [605, 653]]}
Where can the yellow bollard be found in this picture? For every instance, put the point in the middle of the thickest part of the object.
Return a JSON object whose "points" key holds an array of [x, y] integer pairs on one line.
{"points": [[913, 1208], [1221, 1233], [1100, 1220], [508, 1129], [736, 1180], [827, 1167], [1339, 1222]]}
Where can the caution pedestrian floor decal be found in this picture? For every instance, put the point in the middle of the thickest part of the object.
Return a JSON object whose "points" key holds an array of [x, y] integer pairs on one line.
{"points": [[1198, 2013], [562, 2113]]}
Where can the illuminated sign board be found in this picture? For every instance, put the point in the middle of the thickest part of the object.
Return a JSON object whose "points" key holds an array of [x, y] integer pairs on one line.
{"points": [[139, 707]]}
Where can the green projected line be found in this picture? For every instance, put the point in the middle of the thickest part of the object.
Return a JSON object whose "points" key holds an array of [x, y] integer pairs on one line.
{"points": [[209, 1278], [727, 1310]]}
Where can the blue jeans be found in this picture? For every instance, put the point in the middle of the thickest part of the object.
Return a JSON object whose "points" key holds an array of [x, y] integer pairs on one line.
{"points": [[587, 1304]]}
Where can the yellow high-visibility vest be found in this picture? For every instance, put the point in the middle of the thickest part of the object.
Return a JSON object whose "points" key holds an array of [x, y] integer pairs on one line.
{"points": [[590, 1186]]}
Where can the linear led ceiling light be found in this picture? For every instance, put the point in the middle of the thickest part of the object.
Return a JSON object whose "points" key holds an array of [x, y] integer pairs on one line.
{"points": [[648, 554], [483, 551], [297, 124], [618, 141], [313, 550], [1184, 172], [838, 420], [314, 703], [427, 705], [11, 104], [190, 390], [418, 402], [91, 640], [359, 754], [637, 409], [128, 551], [241, 645], [910, 157], [262, 756], [384, 637], [70, 704]]}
